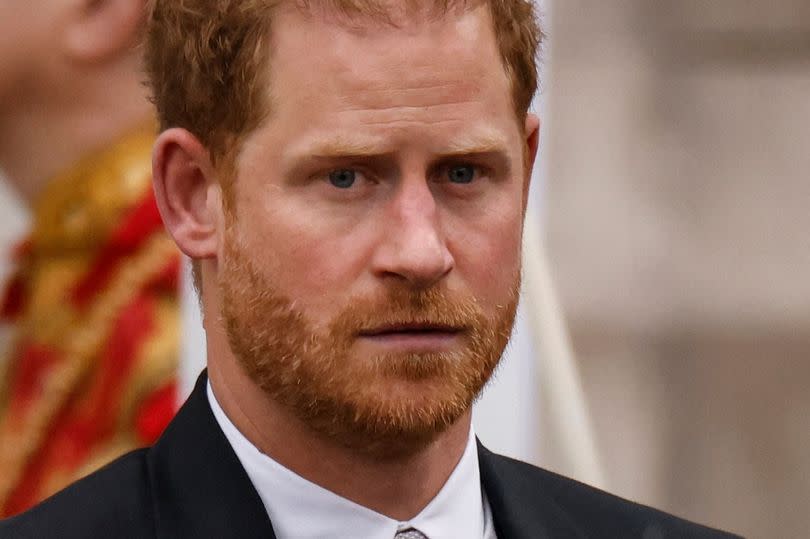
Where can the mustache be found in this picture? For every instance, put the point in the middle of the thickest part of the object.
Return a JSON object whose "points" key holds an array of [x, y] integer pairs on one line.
{"points": [[432, 309]]}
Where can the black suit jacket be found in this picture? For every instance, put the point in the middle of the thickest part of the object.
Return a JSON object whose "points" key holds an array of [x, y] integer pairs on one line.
{"points": [[190, 485]]}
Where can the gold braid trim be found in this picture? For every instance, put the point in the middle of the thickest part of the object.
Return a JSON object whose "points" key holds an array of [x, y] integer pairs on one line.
{"points": [[5, 365], [86, 341], [155, 366]]}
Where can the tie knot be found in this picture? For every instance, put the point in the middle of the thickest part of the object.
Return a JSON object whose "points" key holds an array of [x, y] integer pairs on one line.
{"points": [[410, 533]]}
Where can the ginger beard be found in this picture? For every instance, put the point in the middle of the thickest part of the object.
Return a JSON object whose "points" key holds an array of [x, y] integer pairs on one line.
{"points": [[388, 404]]}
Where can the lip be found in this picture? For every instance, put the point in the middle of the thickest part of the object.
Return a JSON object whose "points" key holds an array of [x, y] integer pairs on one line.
{"points": [[412, 337], [409, 328]]}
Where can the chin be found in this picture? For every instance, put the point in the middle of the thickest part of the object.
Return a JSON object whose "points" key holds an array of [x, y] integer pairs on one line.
{"points": [[398, 423], [393, 412]]}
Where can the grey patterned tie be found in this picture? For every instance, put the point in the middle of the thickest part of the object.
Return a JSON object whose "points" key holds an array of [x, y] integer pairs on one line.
{"points": [[410, 533]]}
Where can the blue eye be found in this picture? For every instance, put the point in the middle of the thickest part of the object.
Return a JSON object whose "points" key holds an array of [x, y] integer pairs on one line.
{"points": [[342, 178], [461, 174]]}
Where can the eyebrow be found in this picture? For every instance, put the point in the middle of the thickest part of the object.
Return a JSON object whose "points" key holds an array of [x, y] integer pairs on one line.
{"points": [[335, 148], [340, 147], [486, 143]]}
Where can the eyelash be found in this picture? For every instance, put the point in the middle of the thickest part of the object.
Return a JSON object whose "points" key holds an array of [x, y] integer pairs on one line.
{"points": [[361, 174], [439, 174], [481, 173]]}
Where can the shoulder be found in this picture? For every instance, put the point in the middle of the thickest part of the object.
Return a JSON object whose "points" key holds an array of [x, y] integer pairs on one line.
{"points": [[112, 502], [593, 512]]}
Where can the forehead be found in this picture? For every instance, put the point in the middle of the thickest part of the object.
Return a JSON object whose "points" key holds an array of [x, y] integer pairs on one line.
{"points": [[333, 67]]}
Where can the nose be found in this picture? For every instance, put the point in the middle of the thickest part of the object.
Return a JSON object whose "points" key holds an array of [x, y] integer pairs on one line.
{"points": [[413, 248]]}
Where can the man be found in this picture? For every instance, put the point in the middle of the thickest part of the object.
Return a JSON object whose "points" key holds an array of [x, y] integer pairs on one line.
{"points": [[351, 178], [92, 304]]}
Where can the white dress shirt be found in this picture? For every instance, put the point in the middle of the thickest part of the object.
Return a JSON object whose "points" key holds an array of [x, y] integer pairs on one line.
{"points": [[300, 509]]}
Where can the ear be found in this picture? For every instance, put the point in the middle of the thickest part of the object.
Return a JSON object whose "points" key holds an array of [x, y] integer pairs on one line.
{"points": [[188, 194], [532, 141], [98, 30]]}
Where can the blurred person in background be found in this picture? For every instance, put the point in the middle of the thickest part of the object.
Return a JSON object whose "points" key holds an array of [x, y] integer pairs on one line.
{"points": [[90, 371]]}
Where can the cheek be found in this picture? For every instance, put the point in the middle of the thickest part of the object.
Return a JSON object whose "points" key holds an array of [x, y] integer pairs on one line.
{"points": [[26, 40], [309, 258], [12, 60], [489, 258]]}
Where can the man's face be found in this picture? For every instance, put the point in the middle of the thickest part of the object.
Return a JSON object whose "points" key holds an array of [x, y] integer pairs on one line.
{"points": [[370, 269]]}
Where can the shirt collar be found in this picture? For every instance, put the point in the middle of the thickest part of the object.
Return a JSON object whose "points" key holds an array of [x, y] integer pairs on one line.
{"points": [[301, 509]]}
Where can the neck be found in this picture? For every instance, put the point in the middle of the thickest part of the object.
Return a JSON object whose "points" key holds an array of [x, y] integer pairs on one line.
{"points": [[42, 134], [398, 487]]}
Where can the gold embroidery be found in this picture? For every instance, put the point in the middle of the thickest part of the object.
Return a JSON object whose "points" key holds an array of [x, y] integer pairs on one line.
{"points": [[72, 221], [19, 445]]}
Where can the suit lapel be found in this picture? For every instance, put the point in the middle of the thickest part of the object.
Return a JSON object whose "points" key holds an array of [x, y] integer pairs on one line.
{"points": [[520, 508], [200, 489], [199, 486]]}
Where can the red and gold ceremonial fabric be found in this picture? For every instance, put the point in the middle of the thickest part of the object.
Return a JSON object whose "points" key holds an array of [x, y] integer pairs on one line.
{"points": [[94, 304]]}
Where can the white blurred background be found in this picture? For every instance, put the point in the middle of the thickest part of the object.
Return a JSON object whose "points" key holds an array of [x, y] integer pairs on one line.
{"points": [[676, 209]]}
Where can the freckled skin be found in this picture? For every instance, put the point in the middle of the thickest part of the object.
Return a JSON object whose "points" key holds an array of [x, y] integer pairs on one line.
{"points": [[412, 98]]}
